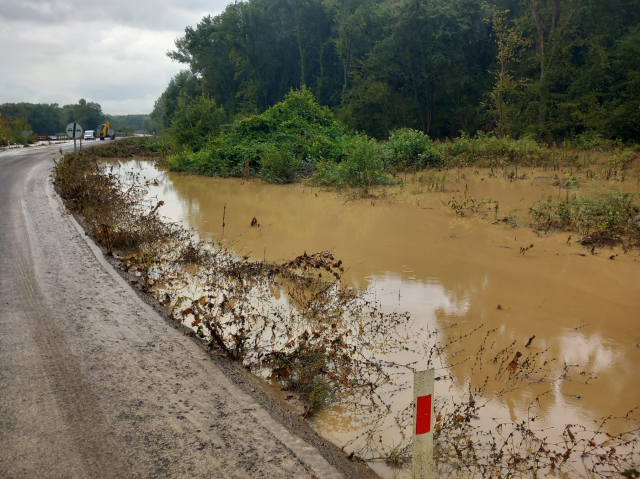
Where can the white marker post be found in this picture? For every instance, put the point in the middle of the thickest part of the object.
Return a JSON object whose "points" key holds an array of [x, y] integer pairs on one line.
{"points": [[74, 130], [423, 424]]}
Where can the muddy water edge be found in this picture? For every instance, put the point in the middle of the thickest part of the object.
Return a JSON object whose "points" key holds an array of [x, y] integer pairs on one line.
{"points": [[578, 308]]}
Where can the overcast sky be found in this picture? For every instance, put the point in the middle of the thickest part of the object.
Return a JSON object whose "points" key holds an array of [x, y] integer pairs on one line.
{"points": [[111, 52]]}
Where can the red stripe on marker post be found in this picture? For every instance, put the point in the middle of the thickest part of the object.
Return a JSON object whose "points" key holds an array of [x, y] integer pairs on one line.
{"points": [[423, 398], [423, 415]]}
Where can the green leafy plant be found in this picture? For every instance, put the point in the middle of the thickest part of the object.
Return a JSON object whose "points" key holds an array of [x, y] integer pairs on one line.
{"points": [[362, 167], [409, 148], [567, 181], [279, 165], [195, 122]]}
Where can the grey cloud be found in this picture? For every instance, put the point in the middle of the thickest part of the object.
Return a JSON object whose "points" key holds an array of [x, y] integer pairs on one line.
{"points": [[152, 15], [59, 51]]}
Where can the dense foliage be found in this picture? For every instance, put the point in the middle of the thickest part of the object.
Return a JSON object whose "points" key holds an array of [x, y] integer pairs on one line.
{"points": [[362, 166], [298, 139], [51, 118], [280, 145], [545, 68], [408, 148], [195, 123]]}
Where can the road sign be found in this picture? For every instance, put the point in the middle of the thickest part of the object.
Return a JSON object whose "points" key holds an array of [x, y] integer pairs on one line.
{"points": [[110, 132], [25, 134], [74, 130], [422, 421]]}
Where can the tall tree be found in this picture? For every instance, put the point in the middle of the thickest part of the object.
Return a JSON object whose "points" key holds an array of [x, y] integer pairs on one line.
{"points": [[509, 40], [88, 114], [552, 19], [350, 20]]}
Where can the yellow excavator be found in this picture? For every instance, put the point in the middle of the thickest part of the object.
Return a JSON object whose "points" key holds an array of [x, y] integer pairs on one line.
{"points": [[102, 131]]}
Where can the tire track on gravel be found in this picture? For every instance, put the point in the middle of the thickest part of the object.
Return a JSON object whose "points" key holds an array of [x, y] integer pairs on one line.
{"points": [[87, 427]]}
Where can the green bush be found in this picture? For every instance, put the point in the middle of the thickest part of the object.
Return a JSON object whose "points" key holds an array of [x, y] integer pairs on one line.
{"points": [[409, 148], [279, 165], [196, 122], [362, 167], [208, 161], [281, 145], [589, 140]]}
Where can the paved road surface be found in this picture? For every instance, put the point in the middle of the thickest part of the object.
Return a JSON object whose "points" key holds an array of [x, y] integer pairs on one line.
{"points": [[93, 383]]}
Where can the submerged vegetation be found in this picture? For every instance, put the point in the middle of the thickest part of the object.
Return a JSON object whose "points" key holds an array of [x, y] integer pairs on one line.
{"points": [[605, 220], [316, 347], [362, 167]]}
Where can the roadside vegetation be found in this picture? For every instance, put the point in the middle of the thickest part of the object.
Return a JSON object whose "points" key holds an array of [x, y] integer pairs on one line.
{"points": [[316, 348], [145, 147]]}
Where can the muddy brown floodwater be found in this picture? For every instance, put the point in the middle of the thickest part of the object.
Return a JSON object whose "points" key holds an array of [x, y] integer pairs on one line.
{"points": [[415, 254]]}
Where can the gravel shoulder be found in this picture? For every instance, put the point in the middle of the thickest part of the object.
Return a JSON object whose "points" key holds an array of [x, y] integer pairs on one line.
{"points": [[95, 383]]}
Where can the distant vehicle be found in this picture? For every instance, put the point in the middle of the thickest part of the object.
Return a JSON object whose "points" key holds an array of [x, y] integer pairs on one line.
{"points": [[103, 129], [88, 135]]}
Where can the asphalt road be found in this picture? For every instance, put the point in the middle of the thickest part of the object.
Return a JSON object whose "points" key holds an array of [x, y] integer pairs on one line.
{"points": [[93, 382]]}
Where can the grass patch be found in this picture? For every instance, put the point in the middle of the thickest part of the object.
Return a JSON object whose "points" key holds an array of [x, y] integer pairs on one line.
{"points": [[140, 146], [489, 150], [605, 220]]}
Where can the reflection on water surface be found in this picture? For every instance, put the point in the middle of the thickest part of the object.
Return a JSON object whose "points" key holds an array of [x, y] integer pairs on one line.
{"points": [[416, 255]]}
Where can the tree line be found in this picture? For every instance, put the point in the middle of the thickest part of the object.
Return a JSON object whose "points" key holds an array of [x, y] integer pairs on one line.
{"points": [[50, 119], [546, 69]]}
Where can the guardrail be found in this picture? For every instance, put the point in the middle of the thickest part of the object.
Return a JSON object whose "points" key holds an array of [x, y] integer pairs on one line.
{"points": [[53, 137], [66, 137]]}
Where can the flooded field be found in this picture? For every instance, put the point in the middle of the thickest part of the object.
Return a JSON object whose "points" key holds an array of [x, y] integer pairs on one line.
{"points": [[572, 311]]}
